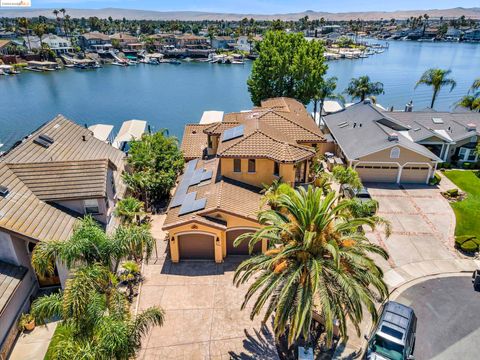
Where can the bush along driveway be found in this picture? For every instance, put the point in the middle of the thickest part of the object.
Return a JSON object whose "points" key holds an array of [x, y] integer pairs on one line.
{"points": [[467, 211]]}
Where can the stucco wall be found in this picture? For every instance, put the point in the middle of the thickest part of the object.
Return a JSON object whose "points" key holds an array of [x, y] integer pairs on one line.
{"points": [[263, 172], [7, 251], [406, 155], [78, 206]]}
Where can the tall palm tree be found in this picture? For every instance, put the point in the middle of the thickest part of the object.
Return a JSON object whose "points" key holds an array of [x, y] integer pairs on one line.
{"points": [[360, 88], [129, 210], [436, 78], [471, 101], [326, 91], [89, 245], [318, 260], [24, 23], [96, 321]]}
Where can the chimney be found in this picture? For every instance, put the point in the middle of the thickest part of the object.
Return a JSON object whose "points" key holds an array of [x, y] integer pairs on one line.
{"points": [[471, 127], [393, 137], [409, 106], [367, 101]]}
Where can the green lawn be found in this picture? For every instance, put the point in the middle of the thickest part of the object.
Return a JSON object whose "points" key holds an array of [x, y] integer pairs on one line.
{"points": [[56, 335], [467, 211]]}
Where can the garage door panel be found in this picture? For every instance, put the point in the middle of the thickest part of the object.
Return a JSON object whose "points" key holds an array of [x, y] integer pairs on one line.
{"points": [[242, 248], [196, 246], [377, 173], [414, 174]]}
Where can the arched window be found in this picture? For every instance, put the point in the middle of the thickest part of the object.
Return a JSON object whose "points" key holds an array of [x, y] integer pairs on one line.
{"points": [[395, 153]]}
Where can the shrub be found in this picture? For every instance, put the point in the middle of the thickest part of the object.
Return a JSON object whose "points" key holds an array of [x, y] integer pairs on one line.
{"points": [[435, 180], [459, 240], [452, 192], [466, 165], [469, 246]]}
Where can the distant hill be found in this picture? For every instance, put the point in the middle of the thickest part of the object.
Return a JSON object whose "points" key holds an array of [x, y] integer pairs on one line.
{"points": [[473, 13]]}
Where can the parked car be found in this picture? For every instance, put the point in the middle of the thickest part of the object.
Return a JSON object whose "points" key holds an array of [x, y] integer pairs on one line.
{"points": [[393, 337], [476, 280], [349, 192]]}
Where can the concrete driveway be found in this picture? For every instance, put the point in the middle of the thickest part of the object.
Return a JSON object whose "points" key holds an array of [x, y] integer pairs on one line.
{"points": [[423, 224], [203, 316]]}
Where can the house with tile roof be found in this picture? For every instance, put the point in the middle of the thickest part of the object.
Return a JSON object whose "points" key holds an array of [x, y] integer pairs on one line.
{"points": [[48, 180], [401, 146], [219, 195]]}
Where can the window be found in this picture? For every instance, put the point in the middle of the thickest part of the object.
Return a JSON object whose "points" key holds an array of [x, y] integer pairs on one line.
{"points": [[237, 165], [395, 153], [276, 168], [251, 165], [91, 206]]}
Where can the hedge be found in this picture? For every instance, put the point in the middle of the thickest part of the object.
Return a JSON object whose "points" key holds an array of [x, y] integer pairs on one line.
{"points": [[468, 243]]}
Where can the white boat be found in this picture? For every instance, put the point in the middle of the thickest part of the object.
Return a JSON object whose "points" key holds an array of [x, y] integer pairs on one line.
{"points": [[130, 130], [117, 63]]}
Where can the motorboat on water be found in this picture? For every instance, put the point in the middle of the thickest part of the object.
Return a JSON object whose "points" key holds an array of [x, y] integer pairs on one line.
{"points": [[118, 63]]}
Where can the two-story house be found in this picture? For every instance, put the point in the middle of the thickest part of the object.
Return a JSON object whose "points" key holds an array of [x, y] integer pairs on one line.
{"points": [[48, 180], [95, 41], [58, 44], [223, 42], [219, 194]]}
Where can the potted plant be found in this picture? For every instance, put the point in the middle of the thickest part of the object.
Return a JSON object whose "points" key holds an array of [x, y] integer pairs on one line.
{"points": [[26, 322]]}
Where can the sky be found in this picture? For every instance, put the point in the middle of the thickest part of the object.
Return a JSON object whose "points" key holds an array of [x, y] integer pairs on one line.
{"points": [[259, 6]]}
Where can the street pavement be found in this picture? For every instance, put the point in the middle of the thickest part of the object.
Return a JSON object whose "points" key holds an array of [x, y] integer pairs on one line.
{"points": [[448, 312]]}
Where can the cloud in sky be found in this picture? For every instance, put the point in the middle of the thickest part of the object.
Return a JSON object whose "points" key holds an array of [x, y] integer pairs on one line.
{"points": [[259, 6]]}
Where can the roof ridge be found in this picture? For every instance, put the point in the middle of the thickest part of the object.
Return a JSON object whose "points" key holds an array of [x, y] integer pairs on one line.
{"points": [[238, 142], [295, 123]]}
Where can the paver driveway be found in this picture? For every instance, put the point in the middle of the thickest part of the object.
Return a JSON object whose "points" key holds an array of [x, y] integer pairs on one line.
{"points": [[423, 224], [203, 316]]}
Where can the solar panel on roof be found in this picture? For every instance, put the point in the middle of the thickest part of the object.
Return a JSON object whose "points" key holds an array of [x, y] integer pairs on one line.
{"points": [[190, 204], [207, 175], [233, 133]]}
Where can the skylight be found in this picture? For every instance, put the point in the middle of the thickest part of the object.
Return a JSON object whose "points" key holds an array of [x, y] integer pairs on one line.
{"points": [[437, 120]]}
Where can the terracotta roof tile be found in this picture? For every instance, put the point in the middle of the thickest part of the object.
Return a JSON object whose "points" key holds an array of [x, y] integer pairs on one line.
{"points": [[194, 141]]}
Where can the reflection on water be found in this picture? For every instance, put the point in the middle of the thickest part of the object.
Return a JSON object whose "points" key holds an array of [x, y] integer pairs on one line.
{"points": [[169, 96]]}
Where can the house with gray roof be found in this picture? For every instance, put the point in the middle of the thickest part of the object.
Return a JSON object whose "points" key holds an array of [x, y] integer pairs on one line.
{"points": [[378, 147]]}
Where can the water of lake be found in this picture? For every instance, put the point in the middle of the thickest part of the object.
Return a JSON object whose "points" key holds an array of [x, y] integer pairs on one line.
{"points": [[168, 96]]}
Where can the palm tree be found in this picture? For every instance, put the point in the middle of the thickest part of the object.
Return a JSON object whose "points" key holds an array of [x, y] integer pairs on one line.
{"points": [[471, 101], [318, 260], [89, 245], [272, 192], [347, 176], [131, 276], [129, 210], [436, 78], [326, 91], [362, 87], [96, 321], [25, 24]]}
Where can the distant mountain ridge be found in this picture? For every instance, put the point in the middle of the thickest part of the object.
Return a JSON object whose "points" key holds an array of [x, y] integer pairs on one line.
{"points": [[116, 13]]}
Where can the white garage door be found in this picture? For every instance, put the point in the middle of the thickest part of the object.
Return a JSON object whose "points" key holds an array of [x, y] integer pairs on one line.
{"points": [[415, 174], [378, 172]]}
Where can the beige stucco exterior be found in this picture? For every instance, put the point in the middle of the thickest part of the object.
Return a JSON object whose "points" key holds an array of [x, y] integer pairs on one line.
{"points": [[263, 172], [408, 167], [219, 234]]}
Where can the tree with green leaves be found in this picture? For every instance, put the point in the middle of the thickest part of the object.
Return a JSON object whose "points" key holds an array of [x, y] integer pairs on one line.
{"points": [[347, 176], [129, 210], [361, 88], [24, 23], [471, 101], [287, 65], [96, 320], [89, 244], [436, 78], [318, 261], [155, 161], [326, 90]]}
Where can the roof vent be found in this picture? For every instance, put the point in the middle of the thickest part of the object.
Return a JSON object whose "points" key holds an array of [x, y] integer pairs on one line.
{"points": [[41, 142], [367, 101], [393, 137], [471, 127], [437, 120], [46, 138], [409, 106], [3, 191]]}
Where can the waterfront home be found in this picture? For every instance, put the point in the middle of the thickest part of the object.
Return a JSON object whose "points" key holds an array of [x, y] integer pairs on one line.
{"points": [[35, 65], [223, 42], [4, 46], [123, 39], [190, 41], [219, 194], [53, 176], [95, 41], [164, 40], [246, 43], [130, 130], [453, 34], [472, 35], [60, 45]]}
